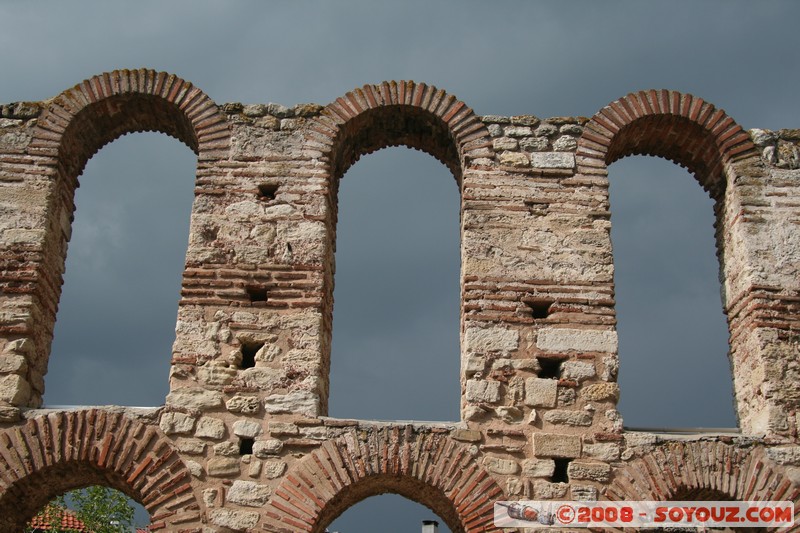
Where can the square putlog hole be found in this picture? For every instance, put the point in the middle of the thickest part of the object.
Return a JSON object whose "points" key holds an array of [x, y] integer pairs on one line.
{"points": [[246, 446], [267, 191], [256, 294], [249, 351], [550, 368], [539, 309], [560, 474]]}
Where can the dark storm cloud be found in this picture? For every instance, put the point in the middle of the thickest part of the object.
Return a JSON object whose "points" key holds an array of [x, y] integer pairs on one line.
{"points": [[543, 58]]}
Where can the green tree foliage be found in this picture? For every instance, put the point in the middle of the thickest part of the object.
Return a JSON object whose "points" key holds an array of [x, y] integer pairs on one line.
{"points": [[101, 509]]}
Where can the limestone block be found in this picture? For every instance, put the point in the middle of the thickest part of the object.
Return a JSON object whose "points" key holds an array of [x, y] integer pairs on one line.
{"points": [[549, 491], [227, 449], [491, 340], [481, 391], [274, 469], [248, 405], [301, 402], [191, 446], [496, 465], [569, 417], [541, 392], [223, 466], [577, 370], [563, 160], [556, 445], [215, 375], [13, 364], [235, 520], [255, 469], [604, 451], [195, 468], [14, 389], [784, 455], [577, 340], [505, 143], [176, 423], [600, 472], [466, 435], [248, 493], [9, 414], [538, 467], [283, 428], [265, 448], [209, 427], [246, 429], [599, 392], [262, 378], [510, 415], [583, 493], [194, 398], [514, 159]]}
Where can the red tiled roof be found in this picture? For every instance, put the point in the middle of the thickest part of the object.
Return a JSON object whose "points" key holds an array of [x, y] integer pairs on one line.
{"points": [[69, 522]]}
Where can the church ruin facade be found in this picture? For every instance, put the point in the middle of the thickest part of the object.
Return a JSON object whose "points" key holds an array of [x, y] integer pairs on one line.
{"points": [[243, 441]]}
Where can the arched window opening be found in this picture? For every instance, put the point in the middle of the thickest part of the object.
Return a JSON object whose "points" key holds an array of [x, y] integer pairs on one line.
{"points": [[388, 513], [395, 350], [115, 327], [673, 335], [94, 508]]}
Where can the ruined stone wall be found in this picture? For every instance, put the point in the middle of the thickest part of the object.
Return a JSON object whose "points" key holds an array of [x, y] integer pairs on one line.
{"points": [[243, 442]]}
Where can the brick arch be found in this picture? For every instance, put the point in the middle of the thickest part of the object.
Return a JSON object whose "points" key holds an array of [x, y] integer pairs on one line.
{"points": [[61, 451], [702, 470], [83, 119], [428, 468], [395, 113], [669, 124]]}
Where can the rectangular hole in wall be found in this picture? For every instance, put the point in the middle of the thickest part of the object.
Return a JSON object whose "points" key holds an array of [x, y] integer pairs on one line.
{"points": [[256, 294], [550, 367], [539, 308], [246, 446], [267, 191], [560, 474], [249, 351]]}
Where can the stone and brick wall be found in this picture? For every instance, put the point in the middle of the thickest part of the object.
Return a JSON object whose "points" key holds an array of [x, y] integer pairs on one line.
{"points": [[243, 442]]}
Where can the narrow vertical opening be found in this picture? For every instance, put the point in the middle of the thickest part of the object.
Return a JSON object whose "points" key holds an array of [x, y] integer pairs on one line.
{"points": [[267, 191], [246, 446], [550, 367], [249, 351], [257, 294], [560, 472]]}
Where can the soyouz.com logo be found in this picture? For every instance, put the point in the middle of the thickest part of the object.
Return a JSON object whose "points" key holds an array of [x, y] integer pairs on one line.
{"points": [[634, 514]]}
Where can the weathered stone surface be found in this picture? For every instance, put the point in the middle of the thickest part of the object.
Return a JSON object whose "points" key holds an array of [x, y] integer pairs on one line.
{"points": [[549, 491], [583, 493], [577, 370], [496, 465], [226, 449], [209, 427], [577, 340], [248, 405], [283, 428], [248, 493], [569, 417], [13, 364], [538, 467], [599, 472], [14, 389], [301, 402], [274, 469], [466, 435], [598, 392], [235, 520], [223, 466], [267, 448], [191, 446], [603, 451], [246, 429], [556, 445], [541, 392], [481, 391], [215, 375], [491, 340], [177, 423], [784, 455], [194, 398], [552, 160]]}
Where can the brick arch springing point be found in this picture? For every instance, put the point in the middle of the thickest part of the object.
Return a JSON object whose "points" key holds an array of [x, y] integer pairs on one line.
{"points": [[677, 126], [61, 451], [429, 468]]}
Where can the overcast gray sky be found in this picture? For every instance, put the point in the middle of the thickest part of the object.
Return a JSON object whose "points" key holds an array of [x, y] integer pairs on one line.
{"points": [[395, 332]]}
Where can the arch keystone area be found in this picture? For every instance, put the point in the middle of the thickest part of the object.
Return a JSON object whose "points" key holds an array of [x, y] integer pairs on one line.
{"points": [[428, 468], [669, 124], [395, 113]]}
